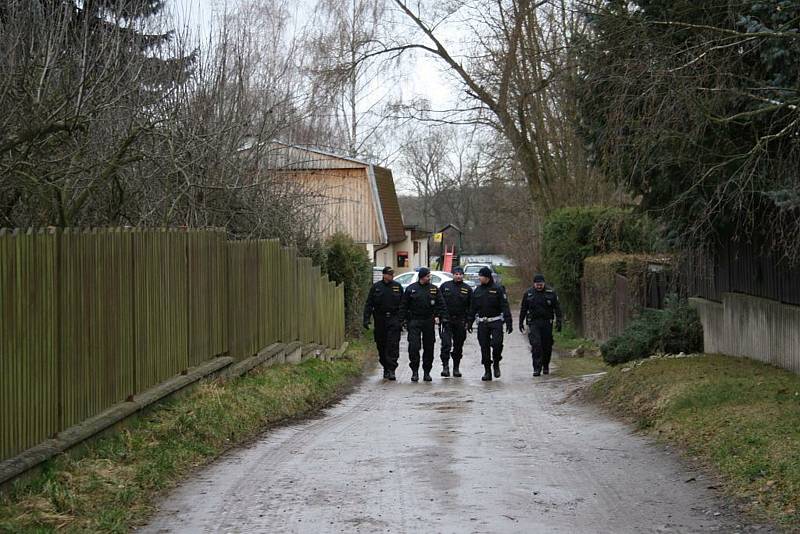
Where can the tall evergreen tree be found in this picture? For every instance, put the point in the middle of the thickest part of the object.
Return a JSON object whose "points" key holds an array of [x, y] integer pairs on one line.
{"points": [[695, 106]]}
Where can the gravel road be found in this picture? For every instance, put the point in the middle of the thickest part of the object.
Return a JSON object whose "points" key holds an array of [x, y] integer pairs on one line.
{"points": [[455, 455]]}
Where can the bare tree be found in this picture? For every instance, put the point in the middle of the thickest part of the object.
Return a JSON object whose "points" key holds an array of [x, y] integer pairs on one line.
{"points": [[349, 91], [516, 78]]}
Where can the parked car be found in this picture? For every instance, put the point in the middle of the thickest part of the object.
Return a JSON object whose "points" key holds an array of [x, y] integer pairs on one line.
{"points": [[471, 272], [437, 278]]}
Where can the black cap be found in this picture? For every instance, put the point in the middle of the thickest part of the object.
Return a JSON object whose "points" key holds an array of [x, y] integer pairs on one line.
{"points": [[485, 271], [538, 278], [458, 269], [423, 272], [388, 270]]}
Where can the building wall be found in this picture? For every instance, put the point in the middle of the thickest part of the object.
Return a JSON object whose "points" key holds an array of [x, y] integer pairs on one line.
{"points": [[388, 255], [345, 200], [753, 327]]}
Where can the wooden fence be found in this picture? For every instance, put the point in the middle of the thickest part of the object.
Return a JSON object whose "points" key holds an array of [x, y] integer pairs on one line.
{"points": [[91, 318]]}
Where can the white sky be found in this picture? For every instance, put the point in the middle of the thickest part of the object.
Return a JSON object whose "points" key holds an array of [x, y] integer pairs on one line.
{"points": [[424, 77]]}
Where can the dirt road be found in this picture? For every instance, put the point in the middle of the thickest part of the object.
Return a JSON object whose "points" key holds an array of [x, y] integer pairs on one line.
{"points": [[455, 455]]}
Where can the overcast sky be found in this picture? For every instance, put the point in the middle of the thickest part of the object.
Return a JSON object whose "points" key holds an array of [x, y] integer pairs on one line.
{"points": [[423, 79]]}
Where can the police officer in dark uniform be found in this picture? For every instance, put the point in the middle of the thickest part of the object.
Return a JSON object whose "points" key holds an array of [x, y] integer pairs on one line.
{"points": [[490, 308], [422, 301], [457, 296], [539, 307], [383, 303]]}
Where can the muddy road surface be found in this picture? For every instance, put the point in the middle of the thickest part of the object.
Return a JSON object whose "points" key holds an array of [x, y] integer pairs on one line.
{"points": [[454, 455]]}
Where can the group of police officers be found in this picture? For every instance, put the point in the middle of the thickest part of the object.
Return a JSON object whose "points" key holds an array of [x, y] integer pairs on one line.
{"points": [[457, 307]]}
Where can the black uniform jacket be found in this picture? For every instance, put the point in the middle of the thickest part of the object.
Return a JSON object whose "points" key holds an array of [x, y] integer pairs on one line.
{"points": [[422, 302], [489, 301], [457, 297], [383, 299], [539, 305]]}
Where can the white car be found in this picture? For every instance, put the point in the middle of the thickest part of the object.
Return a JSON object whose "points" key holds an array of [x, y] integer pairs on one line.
{"points": [[437, 278]]}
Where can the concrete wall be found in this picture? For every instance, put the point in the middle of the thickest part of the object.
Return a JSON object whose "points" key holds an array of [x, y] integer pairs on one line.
{"points": [[748, 326]]}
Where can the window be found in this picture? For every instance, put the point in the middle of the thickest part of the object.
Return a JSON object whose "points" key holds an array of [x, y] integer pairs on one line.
{"points": [[436, 280], [405, 278], [416, 247]]}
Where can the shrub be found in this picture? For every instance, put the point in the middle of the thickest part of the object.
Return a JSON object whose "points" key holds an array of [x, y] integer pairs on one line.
{"points": [[572, 234], [347, 263], [672, 330]]}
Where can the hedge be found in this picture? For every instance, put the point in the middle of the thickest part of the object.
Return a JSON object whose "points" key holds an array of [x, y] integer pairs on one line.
{"points": [[571, 235], [599, 305], [347, 263]]}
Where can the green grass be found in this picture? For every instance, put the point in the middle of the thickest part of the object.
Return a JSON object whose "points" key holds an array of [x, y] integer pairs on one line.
{"points": [[112, 486], [569, 366], [515, 286], [568, 340], [738, 416]]}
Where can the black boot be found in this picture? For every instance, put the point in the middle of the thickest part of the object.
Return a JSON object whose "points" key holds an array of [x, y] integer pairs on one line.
{"points": [[537, 372], [456, 370], [391, 376], [385, 374], [426, 376], [415, 375], [445, 369], [497, 369], [488, 374], [546, 370]]}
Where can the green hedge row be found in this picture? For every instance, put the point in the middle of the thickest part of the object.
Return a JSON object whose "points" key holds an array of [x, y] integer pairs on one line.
{"points": [[347, 262], [572, 234]]}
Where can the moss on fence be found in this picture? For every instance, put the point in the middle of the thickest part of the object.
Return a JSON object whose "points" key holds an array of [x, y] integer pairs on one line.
{"points": [[599, 287]]}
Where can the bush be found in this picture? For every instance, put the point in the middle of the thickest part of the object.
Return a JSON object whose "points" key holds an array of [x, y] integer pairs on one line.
{"points": [[347, 263], [672, 330], [572, 234]]}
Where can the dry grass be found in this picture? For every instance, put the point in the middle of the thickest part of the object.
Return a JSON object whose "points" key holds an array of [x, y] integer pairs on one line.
{"points": [[738, 416], [112, 487]]}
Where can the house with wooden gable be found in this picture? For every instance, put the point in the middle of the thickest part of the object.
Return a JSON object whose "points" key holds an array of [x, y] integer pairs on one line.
{"points": [[357, 198]]}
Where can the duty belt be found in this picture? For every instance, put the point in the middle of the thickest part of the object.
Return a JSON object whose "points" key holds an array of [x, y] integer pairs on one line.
{"points": [[389, 313], [489, 319]]}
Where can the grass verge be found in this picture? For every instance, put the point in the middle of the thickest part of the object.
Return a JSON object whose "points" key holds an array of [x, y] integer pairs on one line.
{"points": [[566, 366], [738, 416], [590, 361], [112, 487]]}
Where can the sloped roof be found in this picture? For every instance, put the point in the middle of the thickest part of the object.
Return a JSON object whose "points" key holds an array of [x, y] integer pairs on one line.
{"points": [[296, 157], [392, 216]]}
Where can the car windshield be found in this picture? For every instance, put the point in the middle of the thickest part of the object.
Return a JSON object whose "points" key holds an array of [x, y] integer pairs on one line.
{"points": [[404, 278], [472, 269]]}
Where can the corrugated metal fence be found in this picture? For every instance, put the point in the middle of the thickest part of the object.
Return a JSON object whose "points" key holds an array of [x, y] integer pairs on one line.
{"points": [[90, 318]]}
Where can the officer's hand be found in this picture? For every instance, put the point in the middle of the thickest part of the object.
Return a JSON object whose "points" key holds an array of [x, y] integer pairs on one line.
{"points": [[366, 325], [509, 328], [469, 328], [403, 326], [558, 326], [522, 327]]}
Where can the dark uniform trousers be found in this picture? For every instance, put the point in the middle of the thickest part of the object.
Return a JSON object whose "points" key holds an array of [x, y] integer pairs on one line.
{"points": [[490, 337], [453, 336], [421, 334], [540, 336], [387, 339]]}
